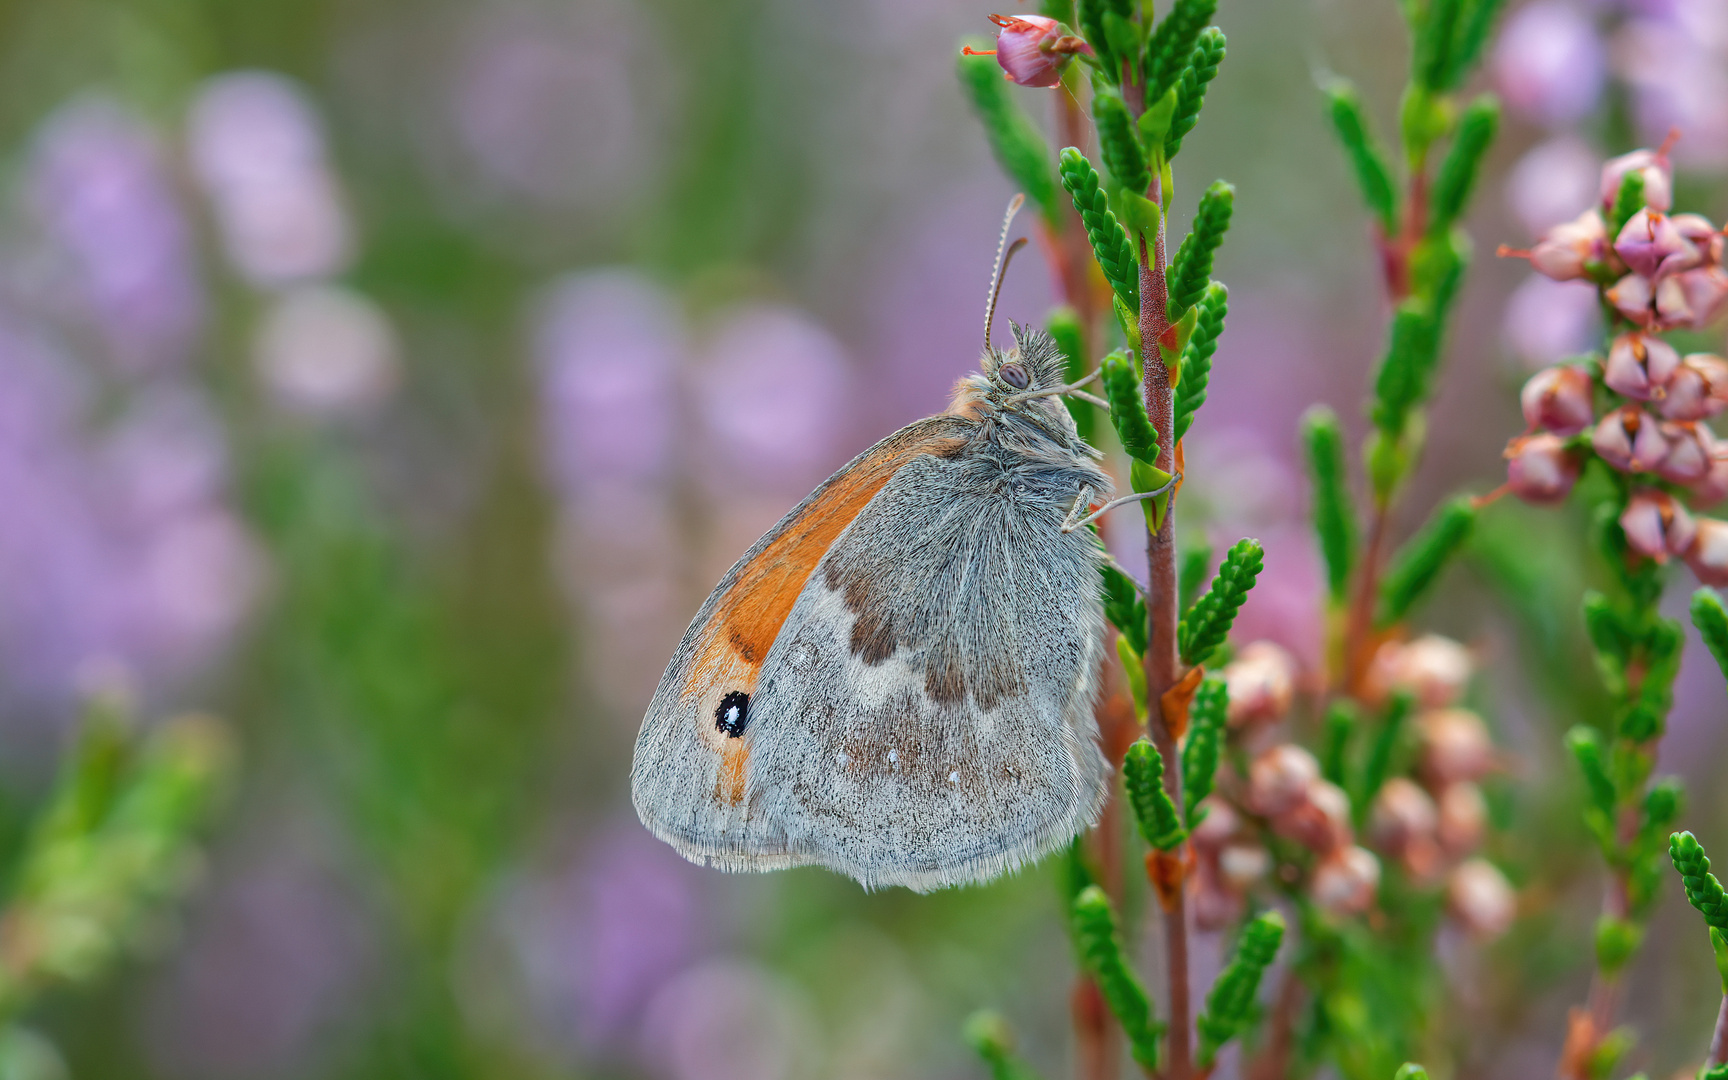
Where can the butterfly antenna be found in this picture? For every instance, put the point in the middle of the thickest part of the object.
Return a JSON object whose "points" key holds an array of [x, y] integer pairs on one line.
{"points": [[1004, 252]]}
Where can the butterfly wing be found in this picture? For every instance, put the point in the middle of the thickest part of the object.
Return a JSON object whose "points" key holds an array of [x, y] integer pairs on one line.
{"points": [[923, 714]]}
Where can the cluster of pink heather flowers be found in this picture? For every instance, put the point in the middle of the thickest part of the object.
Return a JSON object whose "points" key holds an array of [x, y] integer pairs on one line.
{"points": [[1659, 272], [1430, 823]]}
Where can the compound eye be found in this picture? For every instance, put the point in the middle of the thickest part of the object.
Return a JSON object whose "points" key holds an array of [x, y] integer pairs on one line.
{"points": [[1014, 375]]}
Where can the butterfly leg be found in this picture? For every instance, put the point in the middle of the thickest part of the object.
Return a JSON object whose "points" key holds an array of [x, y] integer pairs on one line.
{"points": [[1070, 525], [1082, 503]]}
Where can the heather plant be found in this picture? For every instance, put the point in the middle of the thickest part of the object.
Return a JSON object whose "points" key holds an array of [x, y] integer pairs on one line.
{"points": [[1624, 430], [112, 847], [1241, 823]]}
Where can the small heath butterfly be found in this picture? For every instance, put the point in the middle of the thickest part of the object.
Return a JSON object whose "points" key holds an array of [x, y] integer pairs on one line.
{"points": [[897, 681]]}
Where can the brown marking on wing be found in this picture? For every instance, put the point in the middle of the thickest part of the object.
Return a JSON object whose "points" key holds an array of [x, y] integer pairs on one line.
{"points": [[729, 785], [748, 617]]}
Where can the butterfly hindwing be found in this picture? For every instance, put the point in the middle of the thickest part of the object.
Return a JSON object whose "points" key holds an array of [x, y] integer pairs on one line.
{"points": [[922, 716]]}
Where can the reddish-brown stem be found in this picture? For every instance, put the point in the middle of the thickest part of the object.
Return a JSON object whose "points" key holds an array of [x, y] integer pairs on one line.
{"points": [[1163, 664], [1359, 635]]}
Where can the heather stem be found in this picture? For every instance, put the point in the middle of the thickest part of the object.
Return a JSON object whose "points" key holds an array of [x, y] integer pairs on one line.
{"points": [[1163, 667]]}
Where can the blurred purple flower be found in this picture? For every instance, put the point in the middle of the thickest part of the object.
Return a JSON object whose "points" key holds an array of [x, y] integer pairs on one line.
{"points": [[1548, 321], [97, 179], [771, 390], [119, 552], [326, 351], [1549, 63], [609, 345], [595, 939], [1553, 182], [730, 1020], [257, 146], [1674, 56], [548, 107], [278, 954]]}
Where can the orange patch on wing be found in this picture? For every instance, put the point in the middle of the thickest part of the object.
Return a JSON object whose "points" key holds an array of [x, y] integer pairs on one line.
{"points": [[729, 785], [749, 615]]}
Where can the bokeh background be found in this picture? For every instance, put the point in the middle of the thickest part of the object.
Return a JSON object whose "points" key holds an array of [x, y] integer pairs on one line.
{"points": [[393, 378]]}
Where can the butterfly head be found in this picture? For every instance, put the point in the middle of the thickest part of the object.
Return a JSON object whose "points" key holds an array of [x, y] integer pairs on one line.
{"points": [[1021, 380]]}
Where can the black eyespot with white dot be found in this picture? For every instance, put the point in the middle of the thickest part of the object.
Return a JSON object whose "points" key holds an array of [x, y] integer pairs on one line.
{"points": [[1015, 375], [732, 714]]}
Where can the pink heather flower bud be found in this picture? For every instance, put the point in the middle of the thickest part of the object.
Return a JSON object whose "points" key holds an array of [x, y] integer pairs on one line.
{"points": [[1345, 881], [1691, 452], [1639, 366], [1650, 244], [1481, 899], [1713, 488], [1217, 827], [1454, 746], [1708, 556], [1279, 779], [1703, 292], [1320, 821], [1557, 399], [1032, 50], [1656, 526], [1402, 813], [1629, 440], [1432, 668], [1463, 818], [1242, 866], [1634, 297], [1540, 468], [1697, 229], [1673, 306], [1565, 251], [1658, 177], [1261, 681], [1698, 390]]}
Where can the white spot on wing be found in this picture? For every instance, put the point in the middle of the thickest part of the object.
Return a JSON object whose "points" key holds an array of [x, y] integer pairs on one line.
{"points": [[841, 757], [954, 777], [893, 756]]}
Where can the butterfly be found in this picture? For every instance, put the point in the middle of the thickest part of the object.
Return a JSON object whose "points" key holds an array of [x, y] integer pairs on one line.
{"points": [[897, 681]]}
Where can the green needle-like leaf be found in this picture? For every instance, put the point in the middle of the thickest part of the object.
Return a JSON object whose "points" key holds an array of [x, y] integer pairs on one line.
{"points": [[1703, 891], [1202, 68], [1367, 160], [1586, 747], [1123, 606], [1208, 622], [1712, 623], [1191, 272], [1230, 1004], [1110, 242], [1191, 573], [1334, 514], [1173, 41], [1207, 716], [1418, 563], [1101, 954], [1119, 143], [1628, 201], [1128, 408], [1464, 161], [988, 1036], [1197, 356], [1143, 776]]}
